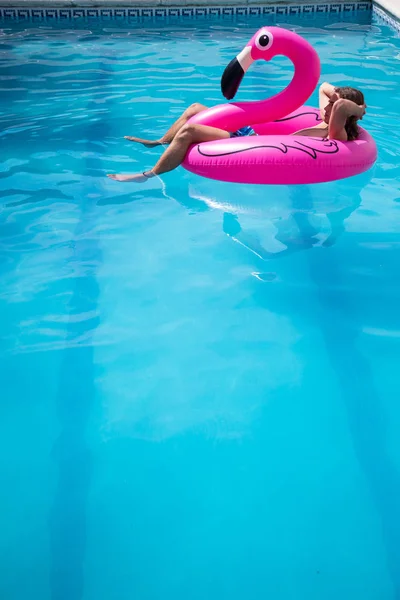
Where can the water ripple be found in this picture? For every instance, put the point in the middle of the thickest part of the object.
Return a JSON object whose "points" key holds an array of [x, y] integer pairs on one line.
{"points": [[166, 286]]}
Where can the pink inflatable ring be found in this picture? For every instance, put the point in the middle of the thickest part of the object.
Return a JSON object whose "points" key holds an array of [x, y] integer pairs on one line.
{"points": [[274, 156]]}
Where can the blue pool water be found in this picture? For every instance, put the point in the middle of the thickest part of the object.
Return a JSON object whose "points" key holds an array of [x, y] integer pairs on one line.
{"points": [[199, 380]]}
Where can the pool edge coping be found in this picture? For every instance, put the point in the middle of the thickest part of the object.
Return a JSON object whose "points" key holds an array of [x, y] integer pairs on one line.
{"points": [[389, 7], [386, 11]]}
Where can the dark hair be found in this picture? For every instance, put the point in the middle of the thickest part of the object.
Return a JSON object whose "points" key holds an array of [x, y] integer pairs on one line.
{"points": [[349, 93]]}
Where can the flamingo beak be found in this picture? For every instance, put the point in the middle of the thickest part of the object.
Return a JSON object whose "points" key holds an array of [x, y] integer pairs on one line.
{"points": [[234, 72]]}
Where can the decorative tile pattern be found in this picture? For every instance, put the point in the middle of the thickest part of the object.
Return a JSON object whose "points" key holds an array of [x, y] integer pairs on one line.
{"points": [[177, 12], [382, 15]]}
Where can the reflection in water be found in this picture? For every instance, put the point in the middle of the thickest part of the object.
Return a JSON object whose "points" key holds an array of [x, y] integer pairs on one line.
{"points": [[365, 412], [288, 224], [296, 229]]}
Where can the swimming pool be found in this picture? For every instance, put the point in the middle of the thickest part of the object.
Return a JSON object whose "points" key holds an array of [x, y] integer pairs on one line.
{"points": [[200, 386]]}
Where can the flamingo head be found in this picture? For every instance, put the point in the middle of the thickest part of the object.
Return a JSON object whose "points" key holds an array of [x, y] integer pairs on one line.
{"points": [[265, 44]]}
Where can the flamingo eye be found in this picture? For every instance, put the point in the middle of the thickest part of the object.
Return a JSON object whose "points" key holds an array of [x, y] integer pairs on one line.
{"points": [[264, 41]]}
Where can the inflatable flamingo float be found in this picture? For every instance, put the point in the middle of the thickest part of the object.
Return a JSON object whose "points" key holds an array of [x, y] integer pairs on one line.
{"points": [[275, 156]]}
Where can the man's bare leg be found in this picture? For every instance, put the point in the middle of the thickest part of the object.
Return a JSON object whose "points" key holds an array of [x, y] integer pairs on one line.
{"points": [[167, 138], [174, 155]]}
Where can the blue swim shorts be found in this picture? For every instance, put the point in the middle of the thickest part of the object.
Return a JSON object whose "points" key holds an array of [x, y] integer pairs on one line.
{"points": [[243, 131]]}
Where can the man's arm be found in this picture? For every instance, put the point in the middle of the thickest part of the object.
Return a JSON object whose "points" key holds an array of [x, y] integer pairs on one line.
{"points": [[341, 111], [326, 91]]}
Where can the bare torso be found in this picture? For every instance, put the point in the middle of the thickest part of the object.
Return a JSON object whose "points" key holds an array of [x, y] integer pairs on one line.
{"points": [[320, 130]]}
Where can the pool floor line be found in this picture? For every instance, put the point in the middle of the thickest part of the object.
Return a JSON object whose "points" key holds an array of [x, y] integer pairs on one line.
{"points": [[76, 396]]}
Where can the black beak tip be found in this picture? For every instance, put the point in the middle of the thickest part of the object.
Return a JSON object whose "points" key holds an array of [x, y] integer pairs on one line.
{"points": [[231, 78], [228, 95]]}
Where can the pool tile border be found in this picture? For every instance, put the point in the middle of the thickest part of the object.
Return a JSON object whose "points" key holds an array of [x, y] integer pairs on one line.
{"points": [[160, 11]]}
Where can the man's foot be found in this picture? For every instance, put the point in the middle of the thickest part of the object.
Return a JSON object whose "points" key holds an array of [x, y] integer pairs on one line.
{"points": [[147, 143], [137, 178]]}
